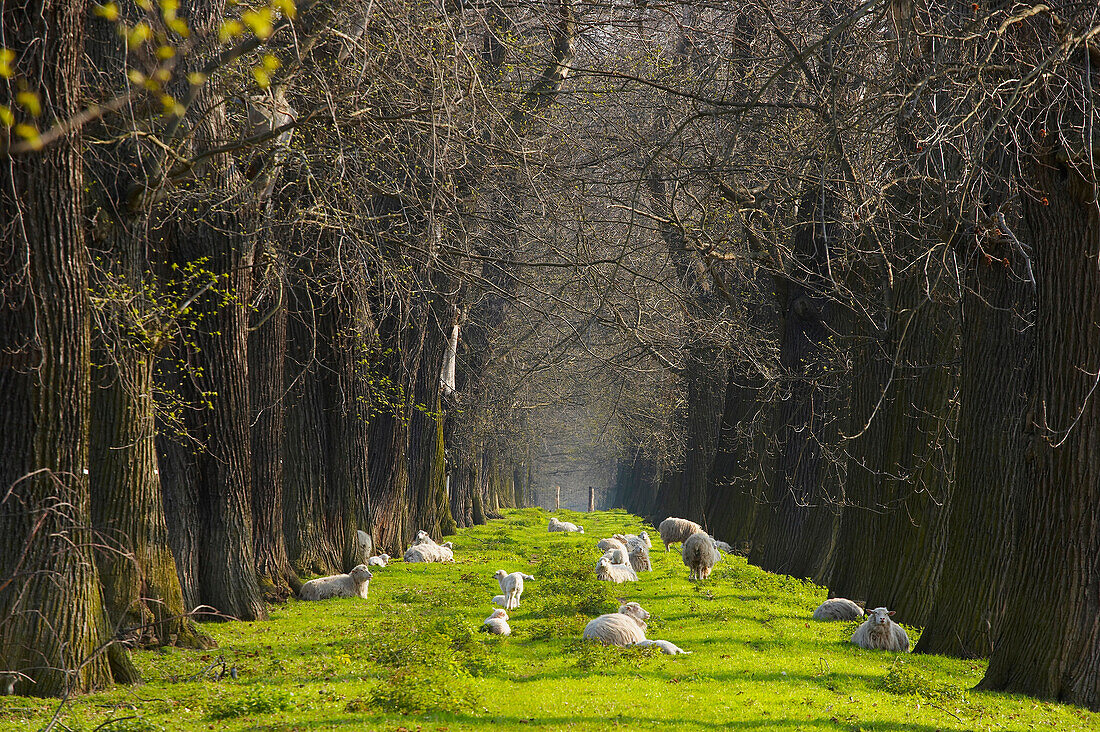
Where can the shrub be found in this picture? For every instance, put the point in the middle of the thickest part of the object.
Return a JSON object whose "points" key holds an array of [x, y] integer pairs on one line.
{"points": [[904, 678], [261, 699], [420, 691]]}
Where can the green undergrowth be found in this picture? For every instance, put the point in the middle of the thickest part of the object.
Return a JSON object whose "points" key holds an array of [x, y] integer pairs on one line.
{"points": [[411, 657]]}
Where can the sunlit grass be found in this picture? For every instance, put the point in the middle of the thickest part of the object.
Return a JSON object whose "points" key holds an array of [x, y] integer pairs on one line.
{"points": [[411, 657]]}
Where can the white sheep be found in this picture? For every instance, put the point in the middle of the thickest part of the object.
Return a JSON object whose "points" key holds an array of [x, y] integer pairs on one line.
{"points": [[429, 553], [633, 540], [379, 561], [723, 546], [352, 584], [700, 555], [879, 632], [616, 573], [639, 559], [557, 525], [616, 555], [498, 600], [838, 608], [614, 543], [675, 530], [423, 537], [623, 628], [497, 623], [666, 646], [512, 586]]}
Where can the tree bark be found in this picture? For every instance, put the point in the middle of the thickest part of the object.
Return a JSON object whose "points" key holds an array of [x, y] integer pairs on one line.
{"points": [[52, 625]]}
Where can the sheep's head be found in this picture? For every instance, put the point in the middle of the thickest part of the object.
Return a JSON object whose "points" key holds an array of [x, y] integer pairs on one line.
{"points": [[580, 529], [880, 616], [500, 574], [643, 536], [421, 535], [448, 545], [603, 563], [361, 573], [634, 610], [385, 556]]}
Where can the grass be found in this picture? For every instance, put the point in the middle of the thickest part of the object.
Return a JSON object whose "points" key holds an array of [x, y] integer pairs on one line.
{"points": [[410, 657]]}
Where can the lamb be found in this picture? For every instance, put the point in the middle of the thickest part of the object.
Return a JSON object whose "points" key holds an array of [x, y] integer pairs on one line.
{"points": [[879, 632], [498, 600], [614, 543], [639, 559], [624, 628], [838, 608], [700, 555], [666, 646], [675, 530], [379, 561], [429, 553], [512, 586], [556, 525], [423, 537], [616, 573], [616, 555], [497, 623], [352, 584]]}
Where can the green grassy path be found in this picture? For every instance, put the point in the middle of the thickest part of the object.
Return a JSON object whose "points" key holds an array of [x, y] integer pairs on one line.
{"points": [[410, 658]]}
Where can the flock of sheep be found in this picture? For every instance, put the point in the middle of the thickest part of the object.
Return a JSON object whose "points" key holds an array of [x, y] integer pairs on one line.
{"points": [[624, 555]]}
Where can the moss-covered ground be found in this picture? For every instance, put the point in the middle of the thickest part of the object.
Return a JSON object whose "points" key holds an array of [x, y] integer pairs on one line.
{"points": [[410, 657]]}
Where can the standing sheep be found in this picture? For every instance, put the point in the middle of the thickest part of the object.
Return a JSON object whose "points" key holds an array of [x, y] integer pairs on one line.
{"points": [[879, 632], [700, 555], [497, 623], [352, 584], [675, 530], [512, 586], [616, 573], [379, 561], [639, 559], [838, 608], [624, 628]]}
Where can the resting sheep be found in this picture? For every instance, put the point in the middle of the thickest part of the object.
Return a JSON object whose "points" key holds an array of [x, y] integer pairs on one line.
{"points": [[497, 623], [675, 530], [666, 646], [639, 559], [633, 540], [556, 525], [700, 555], [512, 586], [723, 546], [879, 632], [838, 608], [624, 628], [616, 573], [608, 544], [498, 600], [423, 537], [616, 555], [379, 561], [352, 584], [429, 553]]}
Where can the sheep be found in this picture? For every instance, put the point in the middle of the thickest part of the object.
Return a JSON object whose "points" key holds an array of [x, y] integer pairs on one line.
{"points": [[838, 608], [878, 631], [616, 555], [624, 628], [723, 546], [639, 559], [429, 553], [498, 600], [497, 623], [666, 646], [616, 573], [700, 555], [512, 586], [379, 561], [675, 530], [352, 584], [423, 537], [633, 540], [556, 525], [608, 544]]}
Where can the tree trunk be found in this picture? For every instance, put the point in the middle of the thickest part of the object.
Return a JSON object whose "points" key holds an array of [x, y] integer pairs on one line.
{"points": [[1048, 644], [267, 376], [52, 624]]}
